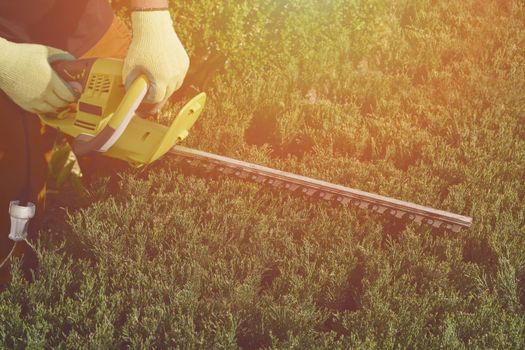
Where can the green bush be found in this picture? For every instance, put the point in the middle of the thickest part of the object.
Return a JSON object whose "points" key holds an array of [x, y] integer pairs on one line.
{"points": [[419, 100]]}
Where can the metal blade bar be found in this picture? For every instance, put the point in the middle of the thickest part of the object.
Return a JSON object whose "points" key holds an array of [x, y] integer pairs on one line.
{"points": [[325, 190]]}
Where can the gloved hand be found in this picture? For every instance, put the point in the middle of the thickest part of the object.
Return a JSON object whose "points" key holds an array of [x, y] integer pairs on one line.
{"points": [[27, 78], [156, 51]]}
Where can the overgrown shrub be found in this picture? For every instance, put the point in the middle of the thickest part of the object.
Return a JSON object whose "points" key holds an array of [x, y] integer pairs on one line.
{"points": [[420, 100]]}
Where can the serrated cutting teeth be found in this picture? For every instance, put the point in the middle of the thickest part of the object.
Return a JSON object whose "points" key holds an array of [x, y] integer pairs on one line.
{"points": [[292, 187], [345, 200], [437, 223], [276, 183], [456, 228], [320, 189], [309, 191], [381, 209], [228, 171], [326, 196], [418, 219], [399, 214], [363, 205]]}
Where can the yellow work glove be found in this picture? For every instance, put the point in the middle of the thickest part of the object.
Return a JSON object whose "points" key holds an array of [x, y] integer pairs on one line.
{"points": [[156, 51], [27, 78]]}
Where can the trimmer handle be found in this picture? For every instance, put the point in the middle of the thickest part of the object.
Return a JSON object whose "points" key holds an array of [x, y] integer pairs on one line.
{"points": [[101, 142]]}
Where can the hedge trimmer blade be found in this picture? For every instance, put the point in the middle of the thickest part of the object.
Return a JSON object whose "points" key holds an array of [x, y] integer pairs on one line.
{"points": [[323, 190]]}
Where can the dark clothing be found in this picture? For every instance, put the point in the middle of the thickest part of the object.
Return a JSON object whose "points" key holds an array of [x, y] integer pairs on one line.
{"points": [[24, 144], [70, 25], [75, 26]]}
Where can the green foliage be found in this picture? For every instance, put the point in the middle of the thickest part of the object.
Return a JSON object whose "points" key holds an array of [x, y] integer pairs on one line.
{"points": [[63, 169], [419, 100]]}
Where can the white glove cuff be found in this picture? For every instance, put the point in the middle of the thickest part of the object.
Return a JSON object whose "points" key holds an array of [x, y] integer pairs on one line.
{"points": [[5, 58], [150, 23]]}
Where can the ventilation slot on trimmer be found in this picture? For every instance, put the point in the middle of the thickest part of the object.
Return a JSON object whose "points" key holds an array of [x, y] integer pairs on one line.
{"points": [[99, 83]]}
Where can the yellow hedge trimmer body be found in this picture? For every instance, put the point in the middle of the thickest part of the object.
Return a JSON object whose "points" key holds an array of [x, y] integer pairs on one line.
{"points": [[104, 118]]}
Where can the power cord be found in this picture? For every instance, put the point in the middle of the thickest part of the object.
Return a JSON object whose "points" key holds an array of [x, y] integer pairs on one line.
{"points": [[25, 209], [8, 257]]}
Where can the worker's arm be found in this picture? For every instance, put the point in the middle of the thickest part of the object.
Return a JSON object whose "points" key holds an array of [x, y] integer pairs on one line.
{"points": [[27, 78], [155, 50]]}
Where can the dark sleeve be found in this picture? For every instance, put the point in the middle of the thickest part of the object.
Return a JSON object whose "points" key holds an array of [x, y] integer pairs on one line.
{"points": [[74, 26]]}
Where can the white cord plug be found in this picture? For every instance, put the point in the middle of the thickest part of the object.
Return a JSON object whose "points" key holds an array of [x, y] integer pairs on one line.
{"points": [[20, 216]]}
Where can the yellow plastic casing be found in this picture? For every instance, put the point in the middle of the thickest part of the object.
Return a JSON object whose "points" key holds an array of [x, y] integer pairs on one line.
{"points": [[99, 100], [145, 141], [105, 101]]}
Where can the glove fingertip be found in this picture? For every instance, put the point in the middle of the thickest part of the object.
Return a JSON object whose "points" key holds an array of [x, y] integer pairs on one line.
{"points": [[61, 56], [154, 94], [178, 85], [42, 108], [63, 89]]}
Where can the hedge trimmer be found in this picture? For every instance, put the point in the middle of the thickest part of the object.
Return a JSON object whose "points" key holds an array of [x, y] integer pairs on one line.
{"points": [[105, 119]]}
